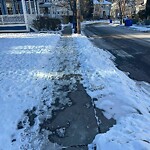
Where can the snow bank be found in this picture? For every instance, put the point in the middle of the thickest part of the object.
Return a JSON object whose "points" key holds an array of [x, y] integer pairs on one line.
{"points": [[120, 97], [94, 21], [141, 28], [102, 3], [117, 23], [23, 57]]}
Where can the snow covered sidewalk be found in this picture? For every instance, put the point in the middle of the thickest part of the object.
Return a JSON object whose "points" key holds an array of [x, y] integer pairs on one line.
{"points": [[43, 102], [40, 74], [73, 123]]}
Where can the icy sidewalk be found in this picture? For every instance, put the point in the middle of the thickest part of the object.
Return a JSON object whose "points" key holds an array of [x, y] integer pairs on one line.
{"points": [[73, 123]]}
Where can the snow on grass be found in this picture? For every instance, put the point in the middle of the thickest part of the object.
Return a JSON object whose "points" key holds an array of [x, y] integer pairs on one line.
{"points": [[120, 97], [23, 57]]}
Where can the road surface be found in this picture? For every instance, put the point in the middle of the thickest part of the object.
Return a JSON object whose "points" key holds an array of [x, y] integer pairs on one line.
{"points": [[131, 48]]}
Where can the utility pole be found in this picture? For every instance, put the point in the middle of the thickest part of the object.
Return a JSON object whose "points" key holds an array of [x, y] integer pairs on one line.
{"points": [[78, 17], [120, 10], [74, 16]]}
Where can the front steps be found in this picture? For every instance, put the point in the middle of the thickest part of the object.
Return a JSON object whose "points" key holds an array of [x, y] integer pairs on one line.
{"points": [[16, 28]]}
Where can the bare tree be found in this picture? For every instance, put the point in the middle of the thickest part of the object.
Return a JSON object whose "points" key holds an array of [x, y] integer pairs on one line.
{"points": [[122, 6]]}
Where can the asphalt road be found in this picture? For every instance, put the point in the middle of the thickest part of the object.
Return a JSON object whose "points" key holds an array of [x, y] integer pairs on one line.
{"points": [[131, 48]]}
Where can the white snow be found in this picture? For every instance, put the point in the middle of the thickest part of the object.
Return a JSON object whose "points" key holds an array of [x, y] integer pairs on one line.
{"points": [[94, 21], [27, 66], [104, 2], [22, 56], [95, 2], [141, 28], [120, 97]]}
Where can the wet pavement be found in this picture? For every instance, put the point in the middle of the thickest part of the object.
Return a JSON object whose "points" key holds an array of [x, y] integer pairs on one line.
{"points": [[75, 124]]}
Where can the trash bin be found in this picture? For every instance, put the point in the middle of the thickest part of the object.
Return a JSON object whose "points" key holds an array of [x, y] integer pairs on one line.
{"points": [[110, 20], [128, 22]]}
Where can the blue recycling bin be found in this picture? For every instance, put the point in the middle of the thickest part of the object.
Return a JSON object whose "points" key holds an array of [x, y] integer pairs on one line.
{"points": [[128, 22], [110, 20]]}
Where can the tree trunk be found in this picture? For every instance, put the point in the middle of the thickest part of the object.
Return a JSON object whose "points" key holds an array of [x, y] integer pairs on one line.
{"points": [[120, 11], [148, 9], [78, 17]]}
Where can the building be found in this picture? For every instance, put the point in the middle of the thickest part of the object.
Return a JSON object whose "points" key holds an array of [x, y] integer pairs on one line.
{"points": [[18, 15], [55, 8], [129, 9], [101, 9]]}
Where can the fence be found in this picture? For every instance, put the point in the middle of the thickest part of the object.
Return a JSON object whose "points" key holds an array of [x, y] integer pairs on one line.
{"points": [[12, 19]]}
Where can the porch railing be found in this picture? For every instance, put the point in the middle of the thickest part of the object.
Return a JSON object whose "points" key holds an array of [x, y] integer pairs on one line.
{"points": [[30, 18], [12, 19]]}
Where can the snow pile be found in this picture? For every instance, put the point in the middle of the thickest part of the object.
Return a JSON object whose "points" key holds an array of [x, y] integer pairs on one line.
{"points": [[120, 97], [96, 2], [141, 28], [101, 23], [104, 2], [95, 21], [24, 61]]}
